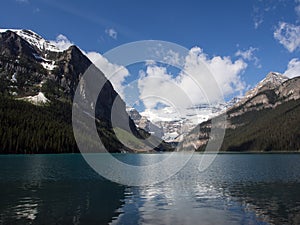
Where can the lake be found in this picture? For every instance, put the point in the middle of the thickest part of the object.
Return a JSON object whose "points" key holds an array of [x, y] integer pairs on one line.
{"points": [[235, 189]]}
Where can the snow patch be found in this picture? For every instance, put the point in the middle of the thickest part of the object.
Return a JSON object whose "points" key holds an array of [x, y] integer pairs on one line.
{"points": [[38, 99], [175, 124], [14, 78], [49, 65], [46, 63]]}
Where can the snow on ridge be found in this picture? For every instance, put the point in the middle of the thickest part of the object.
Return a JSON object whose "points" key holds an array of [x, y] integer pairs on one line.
{"points": [[34, 39], [46, 63], [275, 77]]}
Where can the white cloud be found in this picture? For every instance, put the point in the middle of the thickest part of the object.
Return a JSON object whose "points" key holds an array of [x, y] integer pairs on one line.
{"points": [[257, 17], [200, 80], [293, 68], [224, 70], [249, 55], [257, 22], [150, 62], [157, 86], [288, 35], [62, 42], [172, 58], [114, 73], [265, 8], [112, 33]]}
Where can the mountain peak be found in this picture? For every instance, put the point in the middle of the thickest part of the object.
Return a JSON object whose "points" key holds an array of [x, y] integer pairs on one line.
{"points": [[272, 81], [276, 78], [34, 39]]}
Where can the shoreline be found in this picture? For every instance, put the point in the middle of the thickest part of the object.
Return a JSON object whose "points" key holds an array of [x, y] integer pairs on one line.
{"points": [[137, 153]]}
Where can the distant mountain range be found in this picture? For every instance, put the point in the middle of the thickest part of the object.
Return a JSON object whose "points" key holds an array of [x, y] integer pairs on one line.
{"points": [[171, 127], [37, 87]]}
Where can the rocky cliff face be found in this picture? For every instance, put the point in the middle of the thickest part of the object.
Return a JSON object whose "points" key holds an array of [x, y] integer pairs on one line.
{"points": [[265, 95], [143, 123]]}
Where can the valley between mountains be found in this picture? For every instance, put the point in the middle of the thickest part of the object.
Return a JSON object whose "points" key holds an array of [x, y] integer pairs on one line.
{"points": [[37, 87]]}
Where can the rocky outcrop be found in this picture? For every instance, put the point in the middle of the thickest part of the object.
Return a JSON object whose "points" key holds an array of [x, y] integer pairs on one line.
{"points": [[143, 123], [269, 93]]}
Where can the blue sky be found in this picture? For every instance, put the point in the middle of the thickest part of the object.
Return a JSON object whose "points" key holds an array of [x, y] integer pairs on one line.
{"points": [[237, 29]]}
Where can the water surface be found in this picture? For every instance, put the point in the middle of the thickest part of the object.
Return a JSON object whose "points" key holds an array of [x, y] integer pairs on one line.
{"points": [[235, 189]]}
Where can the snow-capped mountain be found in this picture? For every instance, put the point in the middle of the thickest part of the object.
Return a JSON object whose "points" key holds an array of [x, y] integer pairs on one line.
{"points": [[175, 125], [34, 40], [34, 70], [45, 51]]}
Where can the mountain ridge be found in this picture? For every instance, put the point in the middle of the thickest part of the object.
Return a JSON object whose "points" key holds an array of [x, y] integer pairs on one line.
{"points": [[265, 121], [23, 76]]}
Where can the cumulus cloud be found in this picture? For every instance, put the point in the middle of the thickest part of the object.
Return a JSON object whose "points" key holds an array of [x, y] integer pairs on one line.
{"points": [[202, 80], [225, 71], [62, 42], [172, 58], [156, 85], [293, 68], [249, 55], [112, 33], [288, 35], [115, 73]]}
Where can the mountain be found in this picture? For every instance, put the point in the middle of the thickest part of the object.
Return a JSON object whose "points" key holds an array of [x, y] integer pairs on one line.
{"points": [[143, 123], [36, 41], [262, 95], [174, 127], [265, 119], [37, 87]]}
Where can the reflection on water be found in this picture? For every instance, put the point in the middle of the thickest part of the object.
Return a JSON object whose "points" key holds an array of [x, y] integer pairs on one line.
{"points": [[236, 189], [278, 203], [60, 190]]}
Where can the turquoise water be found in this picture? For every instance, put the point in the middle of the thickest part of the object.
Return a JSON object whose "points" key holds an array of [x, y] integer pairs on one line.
{"points": [[235, 189]]}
